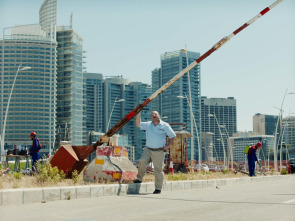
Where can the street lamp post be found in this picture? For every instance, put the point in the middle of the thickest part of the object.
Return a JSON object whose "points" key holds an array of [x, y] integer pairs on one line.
{"points": [[199, 147], [276, 131], [7, 108], [224, 155], [230, 147], [191, 112], [116, 101]]}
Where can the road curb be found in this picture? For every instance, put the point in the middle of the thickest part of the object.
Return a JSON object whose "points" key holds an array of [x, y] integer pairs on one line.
{"points": [[47, 194]]}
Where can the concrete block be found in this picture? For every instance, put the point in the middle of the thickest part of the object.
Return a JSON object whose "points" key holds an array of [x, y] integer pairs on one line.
{"points": [[150, 188], [197, 184], [83, 192], [244, 180], [12, 196], [211, 183], [223, 182], [96, 190], [133, 188], [233, 181], [33, 195], [68, 193], [174, 185], [141, 188], [205, 183], [187, 184], [109, 190], [121, 189], [218, 182], [51, 193], [181, 185], [167, 186]]}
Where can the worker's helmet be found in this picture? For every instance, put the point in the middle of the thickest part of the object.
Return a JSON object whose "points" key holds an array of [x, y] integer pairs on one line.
{"points": [[33, 134], [258, 144]]}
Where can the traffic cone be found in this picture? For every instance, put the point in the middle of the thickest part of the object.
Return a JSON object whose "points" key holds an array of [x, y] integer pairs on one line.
{"points": [[171, 166]]}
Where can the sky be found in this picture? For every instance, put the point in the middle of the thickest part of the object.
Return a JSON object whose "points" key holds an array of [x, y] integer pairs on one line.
{"points": [[127, 37]]}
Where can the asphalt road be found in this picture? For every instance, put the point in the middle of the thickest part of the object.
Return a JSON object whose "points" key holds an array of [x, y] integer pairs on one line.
{"points": [[272, 200]]}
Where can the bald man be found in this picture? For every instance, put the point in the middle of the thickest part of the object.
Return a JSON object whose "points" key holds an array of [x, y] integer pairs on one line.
{"points": [[154, 150]]}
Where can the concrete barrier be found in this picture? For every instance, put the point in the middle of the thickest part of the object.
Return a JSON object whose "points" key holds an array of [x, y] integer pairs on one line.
{"points": [[38, 195]]}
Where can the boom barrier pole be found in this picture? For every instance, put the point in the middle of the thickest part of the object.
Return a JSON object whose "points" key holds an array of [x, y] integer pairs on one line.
{"points": [[138, 108]]}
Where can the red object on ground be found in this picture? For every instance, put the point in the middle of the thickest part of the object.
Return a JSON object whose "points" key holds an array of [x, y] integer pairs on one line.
{"points": [[66, 159], [171, 166]]}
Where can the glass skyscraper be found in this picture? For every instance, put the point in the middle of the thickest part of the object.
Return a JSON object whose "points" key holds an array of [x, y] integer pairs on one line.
{"points": [[94, 102], [136, 93], [220, 118], [113, 108], [33, 101], [172, 108], [111, 98], [71, 108]]}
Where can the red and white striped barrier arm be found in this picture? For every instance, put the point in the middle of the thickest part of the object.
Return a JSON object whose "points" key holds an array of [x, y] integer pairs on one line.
{"points": [[137, 109]]}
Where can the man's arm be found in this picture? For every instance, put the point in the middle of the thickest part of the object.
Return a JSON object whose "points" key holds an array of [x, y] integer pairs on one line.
{"points": [[138, 120], [171, 140]]}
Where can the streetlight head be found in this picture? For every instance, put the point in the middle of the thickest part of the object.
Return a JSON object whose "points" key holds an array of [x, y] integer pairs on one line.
{"points": [[210, 115], [180, 96], [183, 50], [25, 68], [291, 92], [121, 100]]}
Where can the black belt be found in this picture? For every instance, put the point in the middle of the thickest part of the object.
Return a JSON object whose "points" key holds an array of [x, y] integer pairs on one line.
{"points": [[156, 149]]}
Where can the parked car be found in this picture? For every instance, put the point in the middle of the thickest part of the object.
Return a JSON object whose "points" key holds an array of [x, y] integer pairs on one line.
{"points": [[213, 168], [204, 167]]}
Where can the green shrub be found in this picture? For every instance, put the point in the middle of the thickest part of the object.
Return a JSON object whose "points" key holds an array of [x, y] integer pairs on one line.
{"points": [[17, 175], [224, 171], [47, 173], [284, 172], [75, 177]]}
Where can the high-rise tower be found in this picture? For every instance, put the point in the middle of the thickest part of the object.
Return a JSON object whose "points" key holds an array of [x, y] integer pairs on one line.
{"points": [[33, 100], [173, 103], [220, 118]]}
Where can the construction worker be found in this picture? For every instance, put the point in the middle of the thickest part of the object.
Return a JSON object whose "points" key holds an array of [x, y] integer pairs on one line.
{"points": [[154, 151], [252, 158], [34, 150]]}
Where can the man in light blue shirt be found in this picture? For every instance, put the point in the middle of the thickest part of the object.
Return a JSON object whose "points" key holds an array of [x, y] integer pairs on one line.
{"points": [[156, 132]]}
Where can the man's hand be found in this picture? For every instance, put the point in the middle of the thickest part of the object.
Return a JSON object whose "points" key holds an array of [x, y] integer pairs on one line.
{"points": [[165, 148]]}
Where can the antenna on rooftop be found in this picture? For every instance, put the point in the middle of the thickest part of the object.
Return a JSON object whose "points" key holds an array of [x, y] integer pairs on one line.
{"points": [[71, 20]]}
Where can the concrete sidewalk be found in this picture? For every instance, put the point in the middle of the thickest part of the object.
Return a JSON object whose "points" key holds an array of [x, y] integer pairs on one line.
{"points": [[39, 195]]}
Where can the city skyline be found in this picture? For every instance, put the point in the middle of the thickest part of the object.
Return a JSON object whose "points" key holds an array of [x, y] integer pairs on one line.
{"points": [[126, 38]]}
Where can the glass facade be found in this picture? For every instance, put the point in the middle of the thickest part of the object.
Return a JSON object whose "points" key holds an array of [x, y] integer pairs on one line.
{"points": [[70, 87], [220, 118], [33, 100], [113, 89], [288, 131], [94, 102], [239, 144], [136, 93], [47, 15], [172, 108]]}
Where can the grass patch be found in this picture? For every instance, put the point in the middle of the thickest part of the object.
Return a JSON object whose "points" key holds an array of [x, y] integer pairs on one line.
{"points": [[22, 166], [177, 176]]}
